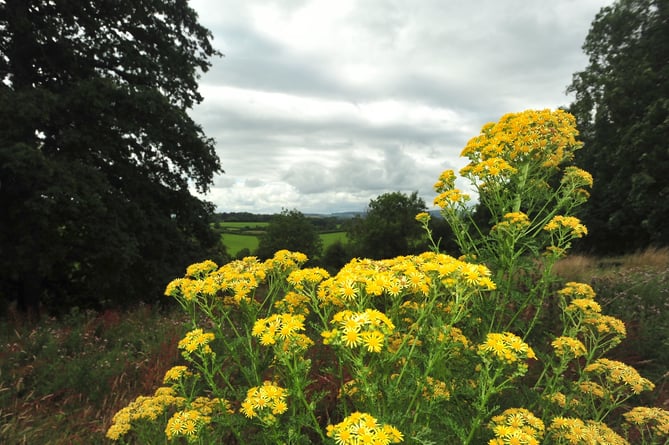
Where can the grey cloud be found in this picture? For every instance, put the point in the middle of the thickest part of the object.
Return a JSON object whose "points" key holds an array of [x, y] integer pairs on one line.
{"points": [[479, 59]]}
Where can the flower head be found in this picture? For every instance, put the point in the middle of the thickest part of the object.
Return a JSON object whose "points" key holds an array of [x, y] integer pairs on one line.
{"points": [[361, 428], [265, 402]]}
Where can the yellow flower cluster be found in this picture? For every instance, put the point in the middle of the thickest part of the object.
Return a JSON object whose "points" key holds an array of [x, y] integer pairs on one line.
{"points": [[445, 182], [196, 340], [241, 278], [605, 324], [362, 278], [587, 313], [451, 198], [302, 279], [561, 400], [593, 389], [451, 334], [360, 428], [585, 306], [201, 270], [488, 168], [294, 303], [577, 177], [568, 347], [577, 290], [616, 372], [186, 424], [175, 374], [143, 407], [545, 137], [512, 222], [285, 260], [576, 432], [569, 224], [435, 389], [265, 401], [368, 328], [654, 419], [423, 217], [283, 329], [516, 426], [208, 406], [505, 347]]}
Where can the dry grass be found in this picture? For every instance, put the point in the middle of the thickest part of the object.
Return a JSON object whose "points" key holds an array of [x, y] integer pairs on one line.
{"points": [[578, 268], [653, 258], [583, 268]]}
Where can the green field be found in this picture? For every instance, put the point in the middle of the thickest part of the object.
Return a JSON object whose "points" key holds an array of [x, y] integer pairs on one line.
{"points": [[333, 237], [234, 242]]}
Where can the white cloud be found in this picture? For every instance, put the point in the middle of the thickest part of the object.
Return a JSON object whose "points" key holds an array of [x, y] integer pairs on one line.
{"points": [[323, 105]]}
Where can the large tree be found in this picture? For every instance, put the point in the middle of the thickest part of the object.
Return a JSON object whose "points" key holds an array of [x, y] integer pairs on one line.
{"points": [[622, 110], [388, 228], [98, 154], [290, 230]]}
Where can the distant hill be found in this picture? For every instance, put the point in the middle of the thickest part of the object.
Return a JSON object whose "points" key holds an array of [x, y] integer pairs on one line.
{"points": [[255, 217]]}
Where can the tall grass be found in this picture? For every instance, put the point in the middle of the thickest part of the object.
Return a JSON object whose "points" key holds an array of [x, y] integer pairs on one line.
{"points": [[61, 379], [635, 289]]}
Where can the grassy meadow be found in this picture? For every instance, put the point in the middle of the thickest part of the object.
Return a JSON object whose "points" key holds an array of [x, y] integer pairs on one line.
{"points": [[62, 380], [240, 235]]}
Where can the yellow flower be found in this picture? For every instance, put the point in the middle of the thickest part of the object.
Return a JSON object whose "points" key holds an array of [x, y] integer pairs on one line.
{"points": [[569, 223], [584, 305], [196, 340], [654, 419], [568, 347], [200, 270], [373, 340], [505, 347], [175, 373], [517, 426], [361, 428], [577, 290], [615, 372], [185, 423], [265, 401], [423, 217], [284, 330]]}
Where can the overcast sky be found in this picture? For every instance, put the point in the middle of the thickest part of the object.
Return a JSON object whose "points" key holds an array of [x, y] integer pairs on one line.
{"points": [[321, 106]]}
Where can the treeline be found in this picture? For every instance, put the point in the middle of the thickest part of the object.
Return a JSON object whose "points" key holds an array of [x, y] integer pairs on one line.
{"points": [[386, 229], [323, 223]]}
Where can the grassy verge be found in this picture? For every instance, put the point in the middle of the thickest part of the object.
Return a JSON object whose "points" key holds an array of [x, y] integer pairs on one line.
{"points": [[635, 289], [62, 380]]}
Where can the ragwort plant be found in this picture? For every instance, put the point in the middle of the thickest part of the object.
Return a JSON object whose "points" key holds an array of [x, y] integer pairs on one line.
{"points": [[420, 349]]}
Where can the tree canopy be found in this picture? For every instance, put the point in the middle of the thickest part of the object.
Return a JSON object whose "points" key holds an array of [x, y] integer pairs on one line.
{"points": [[389, 227], [98, 154], [290, 230], [622, 111]]}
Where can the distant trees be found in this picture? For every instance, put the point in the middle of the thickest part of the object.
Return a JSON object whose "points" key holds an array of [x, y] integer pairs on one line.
{"points": [[622, 111], [98, 152], [290, 230], [388, 228]]}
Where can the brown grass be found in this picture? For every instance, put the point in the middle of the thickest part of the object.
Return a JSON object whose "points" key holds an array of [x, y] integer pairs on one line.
{"points": [[576, 268], [652, 257]]}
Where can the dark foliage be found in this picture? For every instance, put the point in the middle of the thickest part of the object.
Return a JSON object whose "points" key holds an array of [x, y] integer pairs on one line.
{"points": [[97, 151], [290, 230], [388, 228], [622, 110]]}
